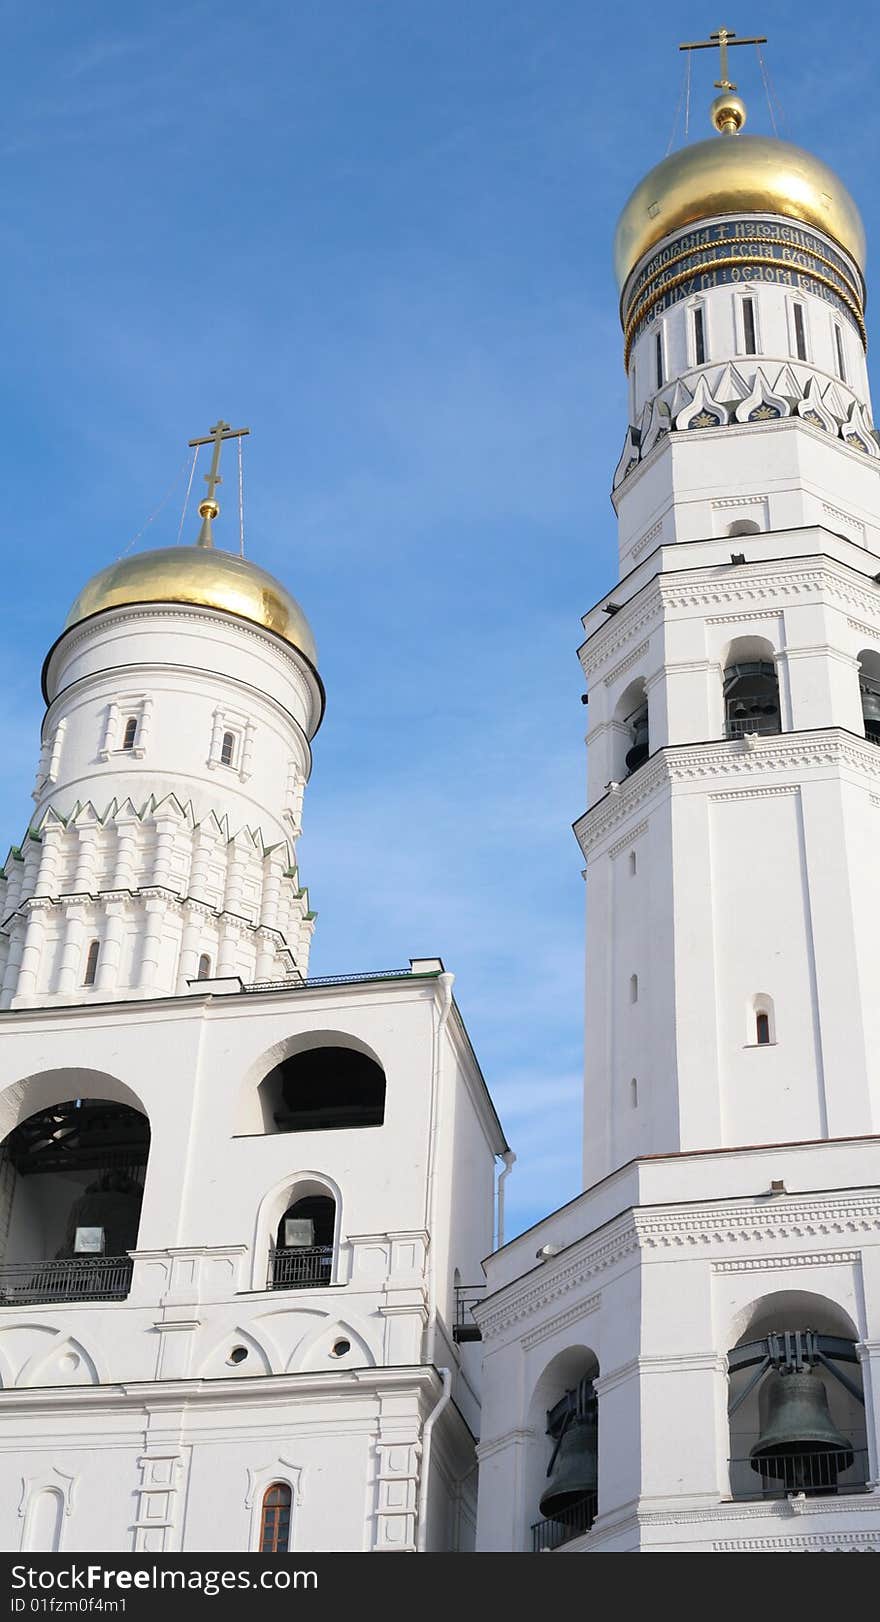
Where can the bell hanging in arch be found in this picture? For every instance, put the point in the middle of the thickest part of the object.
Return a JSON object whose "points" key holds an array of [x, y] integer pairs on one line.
{"points": [[800, 1447], [575, 1469]]}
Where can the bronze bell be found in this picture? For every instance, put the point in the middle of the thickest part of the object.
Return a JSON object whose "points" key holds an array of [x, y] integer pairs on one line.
{"points": [[799, 1446], [575, 1471]]}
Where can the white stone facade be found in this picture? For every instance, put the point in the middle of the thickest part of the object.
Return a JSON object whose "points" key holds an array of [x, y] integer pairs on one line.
{"points": [[135, 1410], [732, 1073]]}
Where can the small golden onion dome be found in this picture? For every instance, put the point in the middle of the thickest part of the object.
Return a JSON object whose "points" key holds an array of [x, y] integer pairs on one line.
{"points": [[203, 576], [736, 174]]}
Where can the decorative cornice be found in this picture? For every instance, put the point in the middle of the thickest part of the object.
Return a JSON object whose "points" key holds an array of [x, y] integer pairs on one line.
{"points": [[625, 664], [785, 1217], [757, 793], [724, 502], [518, 1301], [628, 838], [795, 752], [812, 1258], [644, 542], [562, 1320]]}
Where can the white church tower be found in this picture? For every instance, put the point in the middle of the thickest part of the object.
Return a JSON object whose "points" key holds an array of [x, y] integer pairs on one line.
{"points": [[688, 1355], [239, 1208]]}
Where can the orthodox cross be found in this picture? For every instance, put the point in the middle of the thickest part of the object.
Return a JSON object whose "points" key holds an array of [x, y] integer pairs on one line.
{"points": [[723, 40], [210, 507]]}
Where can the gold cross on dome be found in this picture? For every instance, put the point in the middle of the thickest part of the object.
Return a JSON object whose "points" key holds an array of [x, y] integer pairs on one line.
{"points": [[722, 40], [210, 507]]}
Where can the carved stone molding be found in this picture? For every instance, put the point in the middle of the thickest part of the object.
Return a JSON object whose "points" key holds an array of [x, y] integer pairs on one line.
{"points": [[813, 1258], [562, 1320], [626, 664], [628, 838]]}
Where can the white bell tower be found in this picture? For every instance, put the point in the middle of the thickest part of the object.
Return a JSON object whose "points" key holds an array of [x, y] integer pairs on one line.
{"points": [[733, 671], [687, 1355]]}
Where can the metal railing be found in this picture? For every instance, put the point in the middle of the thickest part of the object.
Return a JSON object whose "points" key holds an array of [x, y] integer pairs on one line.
{"points": [[295, 982], [569, 1523], [73, 1278], [302, 1267], [467, 1296], [816, 1475], [764, 725]]}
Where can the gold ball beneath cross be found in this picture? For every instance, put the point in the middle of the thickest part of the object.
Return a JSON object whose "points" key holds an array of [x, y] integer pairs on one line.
{"points": [[728, 113], [208, 508]]}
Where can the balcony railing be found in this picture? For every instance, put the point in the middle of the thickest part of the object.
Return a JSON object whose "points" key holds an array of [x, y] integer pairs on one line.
{"points": [[764, 725], [569, 1523], [467, 1296], [816, 1475], [73, 1278], [302, 1267]]}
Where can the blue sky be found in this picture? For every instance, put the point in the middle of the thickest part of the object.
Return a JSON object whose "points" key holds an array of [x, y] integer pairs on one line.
{"points": [[379, 234]]}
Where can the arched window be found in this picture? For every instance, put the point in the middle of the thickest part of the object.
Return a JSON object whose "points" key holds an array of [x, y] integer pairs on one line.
{"points": [[744, 526], [632, 744], [302, 1256], [869, 692], [562, 1464], [130, 734], [275, 1521], [227, 749], [634, 1093], [633, 863], [204, 967], [325, 1089], [699, 321], [633, 988], [763, 1030], [91, 963], [751, 689]]}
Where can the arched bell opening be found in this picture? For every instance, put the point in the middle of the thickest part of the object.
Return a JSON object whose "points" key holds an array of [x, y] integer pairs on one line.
{"points": [[751, 689], [303, 1245], [869, 692], [563, 1475], [328, 1085], [632, 744], [73, 1176], [796, 1403]]}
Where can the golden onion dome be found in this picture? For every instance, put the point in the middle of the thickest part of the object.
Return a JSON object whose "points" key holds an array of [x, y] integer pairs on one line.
{"points": [[736, 174], [205, 577]]}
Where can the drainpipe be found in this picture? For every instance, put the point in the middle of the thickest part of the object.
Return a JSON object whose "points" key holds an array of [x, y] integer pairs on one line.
{"points": [[509, 1159], [443, 1400], [445, 983]]}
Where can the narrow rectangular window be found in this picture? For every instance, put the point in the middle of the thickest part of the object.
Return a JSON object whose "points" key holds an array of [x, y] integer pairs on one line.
{"points": [[91, 969], [751, 346], [699, 338], [659, 342], [838, 344], [800, 336]]}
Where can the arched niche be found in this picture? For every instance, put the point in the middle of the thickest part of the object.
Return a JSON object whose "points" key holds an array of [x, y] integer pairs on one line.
{"points": [[297, 1259], [319, 1081], [795, 1400], [73, 1162], [869, 692], [630, 730], [743, 526], [566, 1373], [751, 688]]}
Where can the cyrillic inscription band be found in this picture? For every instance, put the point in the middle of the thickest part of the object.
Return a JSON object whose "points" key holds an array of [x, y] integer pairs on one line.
{"points": [[734, 251]]}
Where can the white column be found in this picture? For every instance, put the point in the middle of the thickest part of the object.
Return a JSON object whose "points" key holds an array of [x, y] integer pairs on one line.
{"points": [[47, 874], [125, 876], [188, 965], [154, 917], [162, 855], [86, 863], [228, 963], [111, 948], [13, 962], [70, 973], [32, 953]]}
